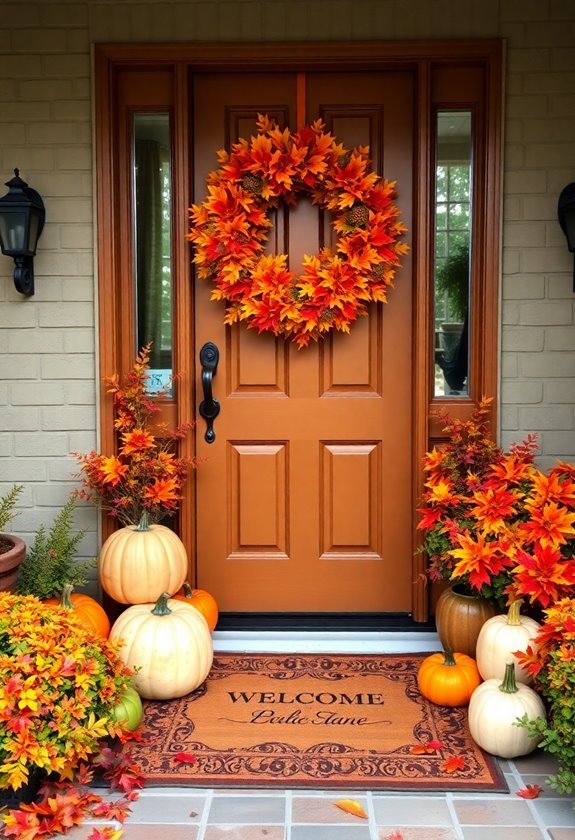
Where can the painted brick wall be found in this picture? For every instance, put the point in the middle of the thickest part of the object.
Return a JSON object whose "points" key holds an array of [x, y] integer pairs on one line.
{"points": [[47, 343]]}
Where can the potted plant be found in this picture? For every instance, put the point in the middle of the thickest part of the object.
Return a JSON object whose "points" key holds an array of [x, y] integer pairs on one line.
{"points": [[494, 523], [50, 571], [59, 687], [139, 485], [452, 279], [12, 548], [551, 661]]}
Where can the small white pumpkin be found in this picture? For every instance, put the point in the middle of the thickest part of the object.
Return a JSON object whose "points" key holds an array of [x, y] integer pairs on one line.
{"points": [[500, 637], [169, 646], [493, 711]]}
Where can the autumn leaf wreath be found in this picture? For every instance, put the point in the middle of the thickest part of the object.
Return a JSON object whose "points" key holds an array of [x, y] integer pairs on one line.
{"points": [[229, 231]]}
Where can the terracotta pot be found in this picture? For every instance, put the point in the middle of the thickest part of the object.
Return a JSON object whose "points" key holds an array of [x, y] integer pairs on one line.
{"points": [[12, 553], [459, 617]]}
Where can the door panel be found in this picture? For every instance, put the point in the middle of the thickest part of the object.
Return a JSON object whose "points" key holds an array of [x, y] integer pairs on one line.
{"points": [[304, 499]]}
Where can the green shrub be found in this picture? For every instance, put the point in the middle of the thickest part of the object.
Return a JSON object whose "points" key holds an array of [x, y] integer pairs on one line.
{"points": [[50, 564]]}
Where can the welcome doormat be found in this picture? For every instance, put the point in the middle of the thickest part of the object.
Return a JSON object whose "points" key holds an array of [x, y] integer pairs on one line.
{"points": [[312, 720]]}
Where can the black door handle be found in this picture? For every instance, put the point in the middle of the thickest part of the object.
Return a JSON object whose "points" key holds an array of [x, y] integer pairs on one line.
{"points": [[209, 407]]}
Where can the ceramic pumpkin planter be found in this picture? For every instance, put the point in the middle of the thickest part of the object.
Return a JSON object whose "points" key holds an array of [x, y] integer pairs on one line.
{"points": [[459, 618], [167, 644], [86, 609], [139, 562]]}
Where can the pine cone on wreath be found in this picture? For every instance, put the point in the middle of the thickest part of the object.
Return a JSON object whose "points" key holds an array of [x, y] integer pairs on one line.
{"points": [[357, 216], [252, 184]]}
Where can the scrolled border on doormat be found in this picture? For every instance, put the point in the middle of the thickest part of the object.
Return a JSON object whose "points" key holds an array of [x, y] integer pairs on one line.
{"points": [[254, 723]]}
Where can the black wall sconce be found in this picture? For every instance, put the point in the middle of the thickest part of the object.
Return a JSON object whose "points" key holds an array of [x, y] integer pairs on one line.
{"points": [[566, 215], [22, 217]]}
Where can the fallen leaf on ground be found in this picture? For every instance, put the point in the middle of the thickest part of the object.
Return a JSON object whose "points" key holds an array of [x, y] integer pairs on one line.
{"points": [[350, 806], [453, 763], [106, 833], [529, 792], [118, 810]]}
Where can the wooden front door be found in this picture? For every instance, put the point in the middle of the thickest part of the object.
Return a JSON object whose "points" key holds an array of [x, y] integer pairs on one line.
{"points": [[307, 500], [304, 497]]}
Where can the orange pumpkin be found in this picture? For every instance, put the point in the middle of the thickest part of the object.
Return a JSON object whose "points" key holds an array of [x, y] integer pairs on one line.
{"points": [[86, 609], [202, 601], [448, 679]]}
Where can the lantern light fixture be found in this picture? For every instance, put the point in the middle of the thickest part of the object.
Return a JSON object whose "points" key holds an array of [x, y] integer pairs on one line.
{"points": [[566, 216], [22, 216]]}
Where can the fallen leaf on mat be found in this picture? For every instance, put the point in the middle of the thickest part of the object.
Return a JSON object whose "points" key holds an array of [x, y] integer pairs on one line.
{"points": [[185, 758], [453, 763], [350, 806], [529, 792], [428, 748], [421, 749]]}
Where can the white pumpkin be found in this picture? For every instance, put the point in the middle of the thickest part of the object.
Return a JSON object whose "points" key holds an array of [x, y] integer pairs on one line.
{"points": [[500, 637], [169, 646], [493, 710], [139, 562]]}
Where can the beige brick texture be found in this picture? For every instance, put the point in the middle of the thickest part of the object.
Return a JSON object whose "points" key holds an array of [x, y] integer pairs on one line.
{"points": [[48, 343]]}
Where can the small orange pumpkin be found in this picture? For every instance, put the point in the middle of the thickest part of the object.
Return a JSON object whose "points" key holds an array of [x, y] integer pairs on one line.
{"points": [[448, 679], [86, 609], [202, 601]]}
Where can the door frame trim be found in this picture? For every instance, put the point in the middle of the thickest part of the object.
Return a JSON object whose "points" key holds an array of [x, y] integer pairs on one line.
{"points": [[114, 257]]}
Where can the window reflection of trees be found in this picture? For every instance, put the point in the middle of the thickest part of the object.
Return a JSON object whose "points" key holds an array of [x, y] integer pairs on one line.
{"points": [[152, 188], [452, 246]]}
